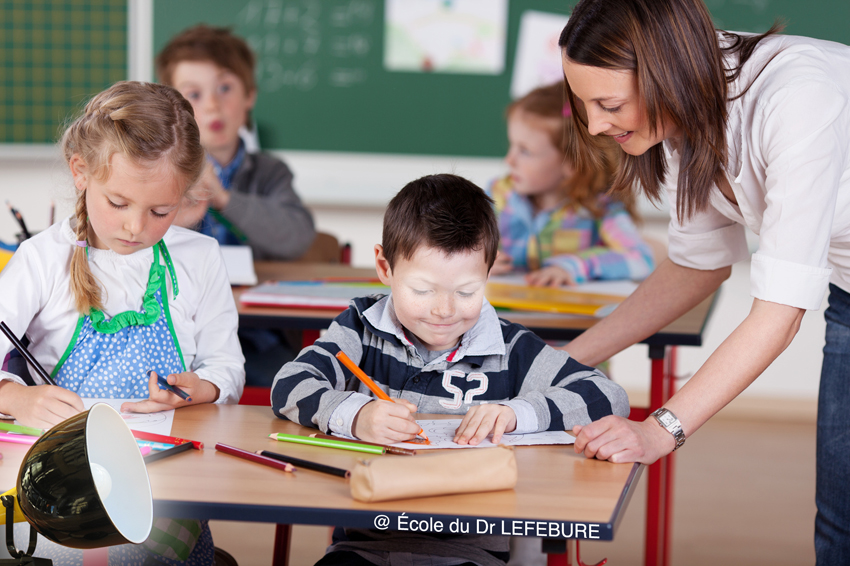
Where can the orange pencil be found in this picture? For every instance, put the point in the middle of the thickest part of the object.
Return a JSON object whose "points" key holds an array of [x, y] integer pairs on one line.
{"points": [[367, 381]]}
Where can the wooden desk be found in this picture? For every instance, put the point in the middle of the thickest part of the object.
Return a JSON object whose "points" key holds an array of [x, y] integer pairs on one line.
{"points": [[686, 331], [558, 491]]}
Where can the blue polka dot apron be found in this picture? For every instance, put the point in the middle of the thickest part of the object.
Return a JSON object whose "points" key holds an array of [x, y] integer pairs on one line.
{"points": [[110, 359]]}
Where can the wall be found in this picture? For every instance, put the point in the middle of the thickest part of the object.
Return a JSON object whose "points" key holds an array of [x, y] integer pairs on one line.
{"points": [[32, 179]]}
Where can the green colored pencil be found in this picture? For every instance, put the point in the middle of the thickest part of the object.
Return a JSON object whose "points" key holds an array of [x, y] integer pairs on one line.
{"points": [[29, 431], [280, 437]]}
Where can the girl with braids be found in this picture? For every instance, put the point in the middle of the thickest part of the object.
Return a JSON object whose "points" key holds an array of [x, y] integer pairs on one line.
{"points": [[115, 291], [738, 130]]}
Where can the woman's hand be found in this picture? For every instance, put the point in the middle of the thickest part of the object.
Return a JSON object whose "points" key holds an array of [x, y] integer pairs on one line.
{"points": [[503, 264], [621, 440], [42, 406], [386, 422], [200, 390], [549, 277], [480, 420]]}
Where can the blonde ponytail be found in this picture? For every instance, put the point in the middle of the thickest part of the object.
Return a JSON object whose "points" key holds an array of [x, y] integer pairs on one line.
{"points": [[144, 122]]}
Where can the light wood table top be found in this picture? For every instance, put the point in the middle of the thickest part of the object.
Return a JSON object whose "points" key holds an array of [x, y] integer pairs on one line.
{"points": [[686, 331], [556, 487]]}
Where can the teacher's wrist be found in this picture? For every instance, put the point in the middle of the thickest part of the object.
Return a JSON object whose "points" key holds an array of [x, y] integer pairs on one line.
{"points": [[662, 442]]}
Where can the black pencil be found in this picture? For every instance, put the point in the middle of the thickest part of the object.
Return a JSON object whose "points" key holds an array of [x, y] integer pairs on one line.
{"points": [[306, 464], [154, 456], [24, 232], [26, 353]]}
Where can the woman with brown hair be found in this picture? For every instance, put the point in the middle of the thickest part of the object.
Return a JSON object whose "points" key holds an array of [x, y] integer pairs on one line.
{"points": [[738, 130]]}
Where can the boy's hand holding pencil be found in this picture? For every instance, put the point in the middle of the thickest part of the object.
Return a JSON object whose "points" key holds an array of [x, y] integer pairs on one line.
{"points": [[379, 420]]}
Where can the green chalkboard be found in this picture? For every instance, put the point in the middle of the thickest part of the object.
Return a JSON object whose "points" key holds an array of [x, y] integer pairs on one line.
{"points": [[54, 55], [323, 85]]}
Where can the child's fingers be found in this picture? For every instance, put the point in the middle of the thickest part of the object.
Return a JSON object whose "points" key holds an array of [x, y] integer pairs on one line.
{"points": [[405, 403], [146, 406]]}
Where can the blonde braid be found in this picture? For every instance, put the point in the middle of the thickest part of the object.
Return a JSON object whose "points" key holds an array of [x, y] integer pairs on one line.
{"points": [[84, 285]]}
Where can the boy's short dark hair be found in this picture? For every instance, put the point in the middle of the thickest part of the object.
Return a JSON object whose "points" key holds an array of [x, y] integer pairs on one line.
{"points": [[445, 212], [206, 43]]}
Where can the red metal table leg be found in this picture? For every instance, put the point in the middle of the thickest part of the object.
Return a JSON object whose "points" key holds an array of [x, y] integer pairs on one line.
{"points": [[282, 535], [308, 337], [659, 485]]}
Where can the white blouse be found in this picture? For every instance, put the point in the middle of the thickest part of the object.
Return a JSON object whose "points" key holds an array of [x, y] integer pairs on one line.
{"points": [[37, 301], [788, 143]]}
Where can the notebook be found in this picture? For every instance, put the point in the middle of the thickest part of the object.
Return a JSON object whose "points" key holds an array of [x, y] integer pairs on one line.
{"points": [[310, 294]]}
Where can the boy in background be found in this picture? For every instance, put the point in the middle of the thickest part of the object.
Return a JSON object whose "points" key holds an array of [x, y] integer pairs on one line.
{"points": [[251, 199], [436, 345]]}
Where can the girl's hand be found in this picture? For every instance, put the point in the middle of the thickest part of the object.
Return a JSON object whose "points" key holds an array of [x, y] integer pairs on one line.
{"points": [[549, 277], [201, 391], [42, 406], [620, 440], [480, 420], [386, 422], [503, 264]]}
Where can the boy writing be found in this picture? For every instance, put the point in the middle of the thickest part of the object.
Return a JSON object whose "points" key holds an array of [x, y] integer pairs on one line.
{"points": [[251, 196], [437, 346]]}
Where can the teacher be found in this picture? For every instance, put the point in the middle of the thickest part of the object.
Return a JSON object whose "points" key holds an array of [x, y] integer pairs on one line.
{"points": [[738, 130]]}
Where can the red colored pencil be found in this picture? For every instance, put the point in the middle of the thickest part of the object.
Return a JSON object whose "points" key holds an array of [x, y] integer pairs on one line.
{"points": [[258, 458], [197, 445]]}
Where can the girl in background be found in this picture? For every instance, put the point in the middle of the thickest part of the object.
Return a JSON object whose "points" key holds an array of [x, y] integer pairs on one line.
{"points": [[114, 291], [555, 219]]}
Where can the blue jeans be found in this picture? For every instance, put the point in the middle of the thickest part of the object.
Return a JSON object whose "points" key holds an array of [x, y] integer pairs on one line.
{"points": [[832, 524]]}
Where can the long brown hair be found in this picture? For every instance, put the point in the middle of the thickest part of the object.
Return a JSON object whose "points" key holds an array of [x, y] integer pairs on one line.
{"points": [[590, 180], [672, 48], [145, 122]]}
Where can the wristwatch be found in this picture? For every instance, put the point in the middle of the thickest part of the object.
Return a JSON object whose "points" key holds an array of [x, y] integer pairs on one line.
{"points": [[669, 421]]}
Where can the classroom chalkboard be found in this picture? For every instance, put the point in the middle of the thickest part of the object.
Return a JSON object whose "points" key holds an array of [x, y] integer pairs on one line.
{"points": [[323, 86], [54, 55]]}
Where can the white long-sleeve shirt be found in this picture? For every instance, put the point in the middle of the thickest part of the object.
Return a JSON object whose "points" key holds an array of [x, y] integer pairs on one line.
{"points": [[788, 143], [36, 300]]}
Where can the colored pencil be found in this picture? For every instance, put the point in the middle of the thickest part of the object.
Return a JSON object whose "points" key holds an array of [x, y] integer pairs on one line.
{"points": [[163, 384], [19, 346], [154, 456], [327, 443], [390, 449], [29, 431], [17, 438], [252, 457], [306, 464], [20, 219], [167, 439], [367, 381], [154, 445]]}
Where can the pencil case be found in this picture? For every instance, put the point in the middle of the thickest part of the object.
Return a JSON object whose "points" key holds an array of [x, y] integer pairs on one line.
{"points": [[454, 471]]}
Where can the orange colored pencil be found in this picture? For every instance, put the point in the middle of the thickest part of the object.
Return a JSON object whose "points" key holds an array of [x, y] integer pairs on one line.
{"points": [[367, 381]]}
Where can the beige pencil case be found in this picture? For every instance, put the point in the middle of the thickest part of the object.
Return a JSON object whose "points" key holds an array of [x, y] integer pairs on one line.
{"points": [[453, 471]]}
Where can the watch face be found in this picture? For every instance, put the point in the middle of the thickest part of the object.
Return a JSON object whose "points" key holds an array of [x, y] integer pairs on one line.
{"points": [[666, 419]]}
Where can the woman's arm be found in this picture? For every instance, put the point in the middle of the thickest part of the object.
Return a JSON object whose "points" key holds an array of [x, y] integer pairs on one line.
{"points": [[740, 359], [668, 293]]}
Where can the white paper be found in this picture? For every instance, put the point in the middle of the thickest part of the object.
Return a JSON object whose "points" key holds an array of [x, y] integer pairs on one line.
{"points": [[157, 423], [440, 433], [446, 36], [538, 57], [239, 263]]}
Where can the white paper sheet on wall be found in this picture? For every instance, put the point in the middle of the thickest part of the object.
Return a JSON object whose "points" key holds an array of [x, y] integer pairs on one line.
{"points": [[538, 57]]}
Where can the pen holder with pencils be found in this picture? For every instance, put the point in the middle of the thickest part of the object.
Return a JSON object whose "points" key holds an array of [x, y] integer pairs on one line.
{"points": [[455, 471]]}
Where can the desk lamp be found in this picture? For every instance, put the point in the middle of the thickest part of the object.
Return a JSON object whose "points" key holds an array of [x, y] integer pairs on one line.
{"points": [[83, 484]]}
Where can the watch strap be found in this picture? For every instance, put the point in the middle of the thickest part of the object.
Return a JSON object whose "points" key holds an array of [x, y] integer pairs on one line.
{"points": [[674, 428]]}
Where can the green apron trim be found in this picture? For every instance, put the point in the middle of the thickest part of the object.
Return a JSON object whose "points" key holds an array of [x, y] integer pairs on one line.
{"points": [[156, 280]]}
